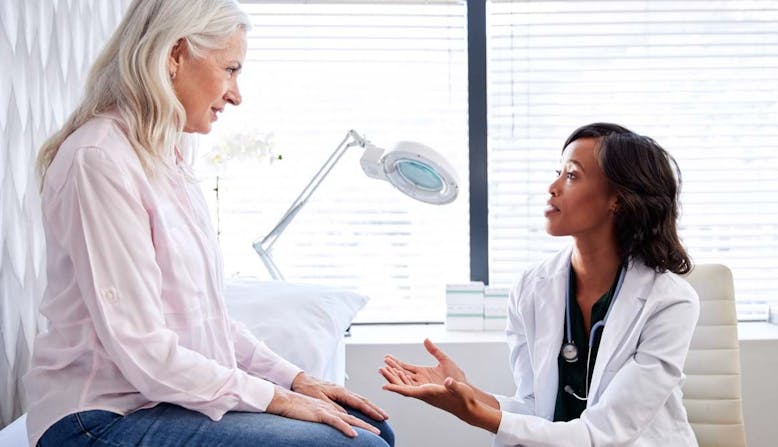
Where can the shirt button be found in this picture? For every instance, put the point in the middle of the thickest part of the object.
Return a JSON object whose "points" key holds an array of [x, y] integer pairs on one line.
{"points": [[109, 295]]}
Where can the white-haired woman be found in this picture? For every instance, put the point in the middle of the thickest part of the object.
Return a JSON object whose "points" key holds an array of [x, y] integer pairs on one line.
{"points": [[140, 351]]}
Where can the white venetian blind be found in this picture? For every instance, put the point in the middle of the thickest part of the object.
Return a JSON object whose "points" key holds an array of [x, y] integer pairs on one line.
{"points": [[390, 70], [700, 77]]}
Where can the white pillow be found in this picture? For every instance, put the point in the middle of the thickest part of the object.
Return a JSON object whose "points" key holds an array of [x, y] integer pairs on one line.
{"points": [[302, 323]]}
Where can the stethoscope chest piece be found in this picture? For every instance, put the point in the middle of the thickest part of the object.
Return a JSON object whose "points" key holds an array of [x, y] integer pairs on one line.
{"points": [[570, 352]]}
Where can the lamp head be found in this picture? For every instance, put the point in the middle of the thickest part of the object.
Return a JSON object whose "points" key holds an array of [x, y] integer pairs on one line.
{"points": [[415, 169]]}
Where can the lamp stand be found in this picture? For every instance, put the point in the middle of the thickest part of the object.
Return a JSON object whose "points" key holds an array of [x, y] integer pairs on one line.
{"points": [[264, 246]]}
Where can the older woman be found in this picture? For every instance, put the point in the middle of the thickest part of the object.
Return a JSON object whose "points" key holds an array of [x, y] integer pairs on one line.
{"points": [[140, 350]]}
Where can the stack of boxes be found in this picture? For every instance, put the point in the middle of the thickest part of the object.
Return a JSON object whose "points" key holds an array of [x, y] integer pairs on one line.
{"points": [[473, 307], [465, 306], [495, 308]]}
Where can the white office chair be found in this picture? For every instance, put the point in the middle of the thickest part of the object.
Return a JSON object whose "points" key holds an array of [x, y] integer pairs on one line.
{"points": [[712, 393]]}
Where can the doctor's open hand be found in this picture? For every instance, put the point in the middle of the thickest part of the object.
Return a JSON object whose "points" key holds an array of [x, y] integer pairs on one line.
{"points": [[419, 375], [455, 397], [416, 381]]}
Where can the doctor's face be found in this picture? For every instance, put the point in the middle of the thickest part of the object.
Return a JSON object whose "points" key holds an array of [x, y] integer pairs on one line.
{"points": [[206, 84], [582, 201]]}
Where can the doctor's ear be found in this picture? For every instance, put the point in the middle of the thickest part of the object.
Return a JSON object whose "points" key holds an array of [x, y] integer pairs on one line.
{"points": [[615, 205]]}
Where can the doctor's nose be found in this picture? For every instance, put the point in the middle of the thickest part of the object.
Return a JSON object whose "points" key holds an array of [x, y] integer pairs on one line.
{"points": [[553, 188]]}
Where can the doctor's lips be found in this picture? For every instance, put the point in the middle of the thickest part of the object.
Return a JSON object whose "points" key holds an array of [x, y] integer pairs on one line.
{"points": [[550, 209]]}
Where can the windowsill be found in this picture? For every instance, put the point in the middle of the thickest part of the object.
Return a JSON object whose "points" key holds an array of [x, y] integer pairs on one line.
{"points": [[416, 333], [757, 330]]}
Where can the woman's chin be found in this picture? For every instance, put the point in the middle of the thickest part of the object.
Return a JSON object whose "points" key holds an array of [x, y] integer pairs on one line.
{"points": [[201, 129]]}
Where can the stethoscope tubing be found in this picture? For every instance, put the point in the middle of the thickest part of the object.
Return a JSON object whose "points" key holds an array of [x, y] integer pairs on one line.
{"points": [[569, 344]]}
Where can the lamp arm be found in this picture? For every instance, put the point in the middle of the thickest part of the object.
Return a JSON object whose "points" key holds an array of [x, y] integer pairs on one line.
{"points": [[263, 246]]}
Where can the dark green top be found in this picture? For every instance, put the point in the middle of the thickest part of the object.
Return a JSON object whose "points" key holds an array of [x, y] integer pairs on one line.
{"points": [[574, 374]]}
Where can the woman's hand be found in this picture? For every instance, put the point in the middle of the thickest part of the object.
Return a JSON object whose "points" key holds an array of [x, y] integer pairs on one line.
{"points": [[421, 375], [458, 398], [335, 395], [298, 406]]}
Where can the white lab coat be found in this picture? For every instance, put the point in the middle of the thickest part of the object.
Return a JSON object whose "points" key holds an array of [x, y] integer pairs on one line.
{"points": [[635, 393]]}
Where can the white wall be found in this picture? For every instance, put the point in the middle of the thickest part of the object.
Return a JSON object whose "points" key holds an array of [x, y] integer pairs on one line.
{"points": [[759, 362], [484, 357]]}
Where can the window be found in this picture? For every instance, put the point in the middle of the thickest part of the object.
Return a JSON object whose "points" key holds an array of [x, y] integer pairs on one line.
{"points": [[392, 71], [698, 76]]}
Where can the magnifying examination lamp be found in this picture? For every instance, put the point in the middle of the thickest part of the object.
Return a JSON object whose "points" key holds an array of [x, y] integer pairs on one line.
{"points": [[413, 168]]}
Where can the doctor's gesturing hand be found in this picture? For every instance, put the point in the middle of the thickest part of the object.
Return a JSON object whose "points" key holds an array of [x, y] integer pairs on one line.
{"points": [[418, 375], [444, 386]]}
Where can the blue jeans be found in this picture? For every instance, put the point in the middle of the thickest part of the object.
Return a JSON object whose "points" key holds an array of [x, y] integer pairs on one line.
{"points": [[168, 425]]}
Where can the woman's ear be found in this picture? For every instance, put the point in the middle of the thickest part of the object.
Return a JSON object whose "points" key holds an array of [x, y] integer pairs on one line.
{"points": [[176, 57]]}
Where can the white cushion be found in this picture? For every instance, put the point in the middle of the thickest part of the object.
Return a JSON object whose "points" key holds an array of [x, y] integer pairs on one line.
{"points": [[302, 323]]}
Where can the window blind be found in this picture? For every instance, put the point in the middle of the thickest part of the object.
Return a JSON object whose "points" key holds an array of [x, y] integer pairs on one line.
{"points": [[697, 76], [390, 70]]}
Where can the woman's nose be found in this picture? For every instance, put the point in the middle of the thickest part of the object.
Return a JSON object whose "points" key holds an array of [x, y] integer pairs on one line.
{"points": [[233, 96]]}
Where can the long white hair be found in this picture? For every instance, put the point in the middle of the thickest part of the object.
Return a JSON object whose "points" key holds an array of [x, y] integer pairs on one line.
{"points": [[131, 73]]}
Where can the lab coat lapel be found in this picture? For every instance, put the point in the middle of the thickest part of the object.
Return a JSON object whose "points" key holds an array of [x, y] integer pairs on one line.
{"points": [[625, 312], [549, 314]]}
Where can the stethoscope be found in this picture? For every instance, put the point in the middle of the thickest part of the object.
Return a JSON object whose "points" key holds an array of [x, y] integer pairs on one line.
{"points": [[569, 349]]}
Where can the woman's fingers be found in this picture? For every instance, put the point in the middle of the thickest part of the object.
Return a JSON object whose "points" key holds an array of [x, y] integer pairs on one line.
{"points": [[364, 405], [337, 422], [378, 409], [356, 422], [346, 422], [334, 404]]}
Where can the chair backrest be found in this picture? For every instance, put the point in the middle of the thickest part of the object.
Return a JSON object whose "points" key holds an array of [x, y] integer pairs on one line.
{"points": [[712, 395]]}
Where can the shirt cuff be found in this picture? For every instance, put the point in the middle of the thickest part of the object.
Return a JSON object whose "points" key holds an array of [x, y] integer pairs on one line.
{"points": [[256, 394], [283, 373]]}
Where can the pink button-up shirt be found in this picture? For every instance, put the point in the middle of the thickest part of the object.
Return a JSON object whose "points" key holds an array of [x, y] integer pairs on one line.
{"points": [[134, 295]]}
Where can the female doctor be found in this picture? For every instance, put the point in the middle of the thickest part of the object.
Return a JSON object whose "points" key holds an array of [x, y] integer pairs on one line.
{"points": [[599, 332]]}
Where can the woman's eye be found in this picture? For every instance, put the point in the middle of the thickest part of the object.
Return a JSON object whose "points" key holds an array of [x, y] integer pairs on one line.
{"points": [[558, 172], [570, 175]]}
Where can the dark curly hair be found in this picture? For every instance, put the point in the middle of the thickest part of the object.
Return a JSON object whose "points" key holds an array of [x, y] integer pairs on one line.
{"points": [[647, 181]]}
